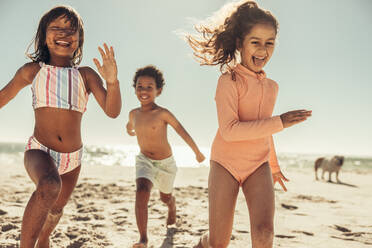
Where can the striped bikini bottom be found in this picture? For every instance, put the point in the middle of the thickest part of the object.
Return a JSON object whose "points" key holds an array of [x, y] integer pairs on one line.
{"points": [[65, 162]]}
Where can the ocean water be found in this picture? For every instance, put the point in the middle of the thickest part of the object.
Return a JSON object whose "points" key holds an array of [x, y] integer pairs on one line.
{"points": [[124, 155], [119, 155]]}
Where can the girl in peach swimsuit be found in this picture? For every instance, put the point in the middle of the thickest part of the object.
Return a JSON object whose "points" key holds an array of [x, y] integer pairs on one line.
{"points": [[243, 151]]}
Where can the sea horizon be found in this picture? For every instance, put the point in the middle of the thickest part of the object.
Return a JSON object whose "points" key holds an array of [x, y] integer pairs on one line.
{"points": [[124, 155]]}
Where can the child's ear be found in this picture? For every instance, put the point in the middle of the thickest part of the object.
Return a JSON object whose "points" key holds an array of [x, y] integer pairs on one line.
{"points": [[159, 91], [238, 45]]}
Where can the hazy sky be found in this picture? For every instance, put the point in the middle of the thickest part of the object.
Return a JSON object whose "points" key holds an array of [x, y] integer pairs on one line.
{"points": [[322, 62]]}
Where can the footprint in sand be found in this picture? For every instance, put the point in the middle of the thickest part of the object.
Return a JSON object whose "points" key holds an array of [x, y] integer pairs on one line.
{"points": [[116, 201], [285, 236], [78, 243], [290, 207], [81, 218], [120, 220], [300, 214], [304, 232], [341, 228], [123, 209], [98, 225], [98, 217], [89, 210], [362, 237], [72, 235], [315, 198], [8, 227]]}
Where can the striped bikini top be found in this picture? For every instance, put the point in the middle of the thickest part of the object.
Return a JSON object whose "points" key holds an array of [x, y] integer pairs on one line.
{"points": [[59, 87]]}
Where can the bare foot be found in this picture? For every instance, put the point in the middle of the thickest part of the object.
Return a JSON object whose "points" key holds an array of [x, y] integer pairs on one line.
{"points": [[172, 212], [140, 245], [203, 242]]}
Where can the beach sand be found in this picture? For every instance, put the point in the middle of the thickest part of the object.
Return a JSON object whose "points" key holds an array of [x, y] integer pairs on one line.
{"points": [[101, 210]]}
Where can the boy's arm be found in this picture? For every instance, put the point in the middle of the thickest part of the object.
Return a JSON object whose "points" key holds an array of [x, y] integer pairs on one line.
{"points": [[181, 131], [130, 124], [21, 79]]}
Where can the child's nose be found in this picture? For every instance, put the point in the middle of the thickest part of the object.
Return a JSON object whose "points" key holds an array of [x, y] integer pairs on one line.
{"points": [[65, 32], [262, 50]]}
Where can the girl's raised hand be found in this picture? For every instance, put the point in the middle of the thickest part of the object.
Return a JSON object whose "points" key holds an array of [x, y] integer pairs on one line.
{"points": [[294, 117], [279, 177], [108, 70]]}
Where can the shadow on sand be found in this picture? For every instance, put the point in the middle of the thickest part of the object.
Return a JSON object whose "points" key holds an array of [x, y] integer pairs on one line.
{"points": [[345, 184], [168, 241]]}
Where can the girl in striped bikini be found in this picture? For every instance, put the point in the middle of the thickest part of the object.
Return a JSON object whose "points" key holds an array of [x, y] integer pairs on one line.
{"points": [[60, 92]]}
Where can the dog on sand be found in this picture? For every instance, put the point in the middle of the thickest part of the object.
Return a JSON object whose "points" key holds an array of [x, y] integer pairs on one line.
{"points": [[329, 165]]}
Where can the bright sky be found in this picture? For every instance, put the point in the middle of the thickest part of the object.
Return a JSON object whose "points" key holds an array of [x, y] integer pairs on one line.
{"points": [[322, 62]]}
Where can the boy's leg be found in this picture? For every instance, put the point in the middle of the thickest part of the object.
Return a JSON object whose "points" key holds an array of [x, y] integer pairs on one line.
{"points": [[43, 172], [259, 193], [142, 198], [69, 181], [223, 191], [171, 203]]}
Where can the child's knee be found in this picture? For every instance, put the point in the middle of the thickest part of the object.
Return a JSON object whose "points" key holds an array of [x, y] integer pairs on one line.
{"points": [[143, 188], [264, 231], [166, 198], [49, 188], [56, 211], [143, 185]]}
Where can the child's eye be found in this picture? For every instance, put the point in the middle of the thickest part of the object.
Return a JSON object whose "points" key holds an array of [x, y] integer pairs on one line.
{"points": [[54, 29], [62, 30]]}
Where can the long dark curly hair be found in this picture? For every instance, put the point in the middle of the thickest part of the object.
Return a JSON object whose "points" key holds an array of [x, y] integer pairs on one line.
{"points": [[41, 52], [216, 44]]}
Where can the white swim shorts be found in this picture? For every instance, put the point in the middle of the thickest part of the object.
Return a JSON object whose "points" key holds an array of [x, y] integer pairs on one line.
{"points": [[160, 172]]}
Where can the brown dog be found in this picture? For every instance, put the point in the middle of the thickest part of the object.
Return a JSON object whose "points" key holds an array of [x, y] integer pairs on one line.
{"points": [[331, 165]]}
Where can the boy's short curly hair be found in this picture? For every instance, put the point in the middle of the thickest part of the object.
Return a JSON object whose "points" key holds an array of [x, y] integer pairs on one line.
{"points": [[150, 71]]}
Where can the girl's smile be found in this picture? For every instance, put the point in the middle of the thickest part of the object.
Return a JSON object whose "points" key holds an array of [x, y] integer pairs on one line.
{"points": [[257, 47], [61, 39]]}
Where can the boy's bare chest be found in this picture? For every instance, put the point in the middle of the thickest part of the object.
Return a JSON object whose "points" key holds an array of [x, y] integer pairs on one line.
{"points": [[145, 122]]}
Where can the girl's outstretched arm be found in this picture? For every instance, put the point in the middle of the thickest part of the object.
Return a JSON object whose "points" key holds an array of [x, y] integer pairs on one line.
{"points": [[233, 129], [110, 98], [23, 77], [230, 126], [181, 131]]}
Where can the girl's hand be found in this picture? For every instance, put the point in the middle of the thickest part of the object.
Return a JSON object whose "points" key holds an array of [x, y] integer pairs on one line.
{"points": [[294, 117], [108, 70], [279, 177], [200, 157]]}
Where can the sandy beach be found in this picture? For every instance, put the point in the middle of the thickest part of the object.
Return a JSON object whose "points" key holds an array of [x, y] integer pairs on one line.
{"points": [[101, 211]]}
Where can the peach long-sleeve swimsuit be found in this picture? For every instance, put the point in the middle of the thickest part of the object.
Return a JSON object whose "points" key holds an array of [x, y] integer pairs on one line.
{"points": [[244, 108]]}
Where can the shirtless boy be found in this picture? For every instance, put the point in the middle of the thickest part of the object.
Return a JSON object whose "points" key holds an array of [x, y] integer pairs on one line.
{"points": [[155, 165]]}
